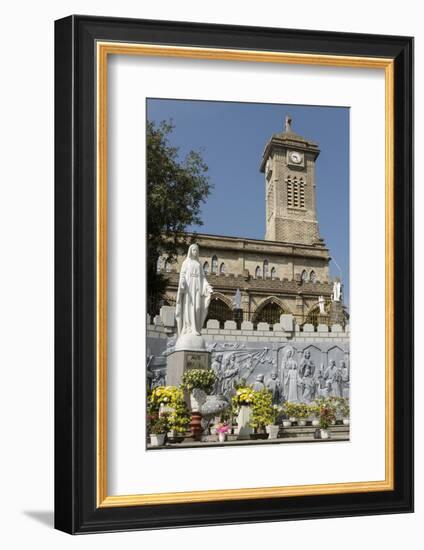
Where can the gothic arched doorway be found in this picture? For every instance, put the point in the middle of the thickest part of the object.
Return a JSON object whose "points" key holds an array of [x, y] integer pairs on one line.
{"points": [[268, 313], [219, 310]]}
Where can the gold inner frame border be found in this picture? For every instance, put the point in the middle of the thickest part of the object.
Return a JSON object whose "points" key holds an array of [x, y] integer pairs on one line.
{"points": [[103, 50]]}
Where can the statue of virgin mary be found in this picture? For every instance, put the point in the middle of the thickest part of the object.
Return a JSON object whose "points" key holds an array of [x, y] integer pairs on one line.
{"points": [[193, 297]]}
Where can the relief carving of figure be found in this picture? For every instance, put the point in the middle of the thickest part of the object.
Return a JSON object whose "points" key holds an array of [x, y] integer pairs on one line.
{"points": [[333, 379], [273, 385], [229, 376], [305, 363], [217, 369], [292, 379], [308, 386], [345, 379], [258, 384]]}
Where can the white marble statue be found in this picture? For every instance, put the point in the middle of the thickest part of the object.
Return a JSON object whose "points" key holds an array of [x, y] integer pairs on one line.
{"points": [[193, 297], [321, 304], [237, 299], [337, 291]]}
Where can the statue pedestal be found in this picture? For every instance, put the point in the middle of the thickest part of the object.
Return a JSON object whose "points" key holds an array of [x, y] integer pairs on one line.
{"points": [[180, 360]]}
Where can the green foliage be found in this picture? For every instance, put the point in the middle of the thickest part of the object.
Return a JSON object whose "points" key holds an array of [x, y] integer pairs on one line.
{"points": [[175, 190], [161, 425], [290, 409], [344, 407], [178, 416], [198, 378], [297, 410], [325, 409], [263, 412]]}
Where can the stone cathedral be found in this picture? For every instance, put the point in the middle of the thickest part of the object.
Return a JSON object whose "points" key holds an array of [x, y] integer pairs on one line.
{"points": [[287, 272]]}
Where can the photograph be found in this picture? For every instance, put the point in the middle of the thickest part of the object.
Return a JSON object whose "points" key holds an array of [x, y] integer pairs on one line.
{"points": [[247, 293]]}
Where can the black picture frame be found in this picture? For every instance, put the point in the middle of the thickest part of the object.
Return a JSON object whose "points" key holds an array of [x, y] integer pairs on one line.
{"points": [[76, 509]]}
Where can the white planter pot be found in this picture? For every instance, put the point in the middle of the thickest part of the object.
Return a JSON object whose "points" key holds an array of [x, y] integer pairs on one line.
{"points": [[243, 418], [213, 430], [157, 440], [301, 422], [346, 421], [222, 437], [287, 423], [315, 422], [272, 430], [325, 434]]}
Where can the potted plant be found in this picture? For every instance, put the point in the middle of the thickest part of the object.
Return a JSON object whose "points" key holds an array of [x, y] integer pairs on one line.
{"points": [[302, 412], [314, 414], [327, 416], [345, 410], [263, 414], [169, 400], [158, 430], [222, 429], [273, 429], [163, 398], [179, 420], [198, 383], [289, 411], [242, 409]]}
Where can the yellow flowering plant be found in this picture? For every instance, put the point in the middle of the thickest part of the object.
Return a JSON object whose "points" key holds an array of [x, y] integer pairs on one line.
{"points": [[167, 395], [244, 396], [173, 398]]}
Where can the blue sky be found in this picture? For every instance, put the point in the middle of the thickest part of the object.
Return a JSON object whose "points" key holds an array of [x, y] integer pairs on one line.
{"points": [[232, 137]]}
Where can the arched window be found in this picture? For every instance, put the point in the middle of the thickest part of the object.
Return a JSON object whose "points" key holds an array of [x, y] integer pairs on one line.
{"points": [[266, 269], [269, 313], [273, 273], [222, 269], [304, 275], [168, 267], [206, 268], [258, 272], [220, 311], [214, 268], [313, 277]]}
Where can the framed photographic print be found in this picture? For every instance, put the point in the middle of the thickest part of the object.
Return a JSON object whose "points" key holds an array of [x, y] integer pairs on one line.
{"points": [[233, 274]]}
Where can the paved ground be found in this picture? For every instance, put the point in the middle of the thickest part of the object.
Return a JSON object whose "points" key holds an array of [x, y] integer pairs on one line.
{"points": [[187, 443]]}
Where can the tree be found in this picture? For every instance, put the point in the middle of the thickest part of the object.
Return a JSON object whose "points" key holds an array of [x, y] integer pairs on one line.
{"points": [[175, 190]]}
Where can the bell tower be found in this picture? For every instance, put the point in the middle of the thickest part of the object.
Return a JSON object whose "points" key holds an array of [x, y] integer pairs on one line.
{"points": [[288, 163]]}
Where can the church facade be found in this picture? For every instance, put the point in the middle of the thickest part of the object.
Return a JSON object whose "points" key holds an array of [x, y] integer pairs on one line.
{"points": [[288, 271]]}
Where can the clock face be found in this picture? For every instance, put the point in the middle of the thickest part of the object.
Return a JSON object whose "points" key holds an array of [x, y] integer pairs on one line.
{"points": [[296, 157]]}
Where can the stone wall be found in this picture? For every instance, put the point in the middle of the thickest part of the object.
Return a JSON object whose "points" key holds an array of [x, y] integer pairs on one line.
{"points": [[161, 330]]}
